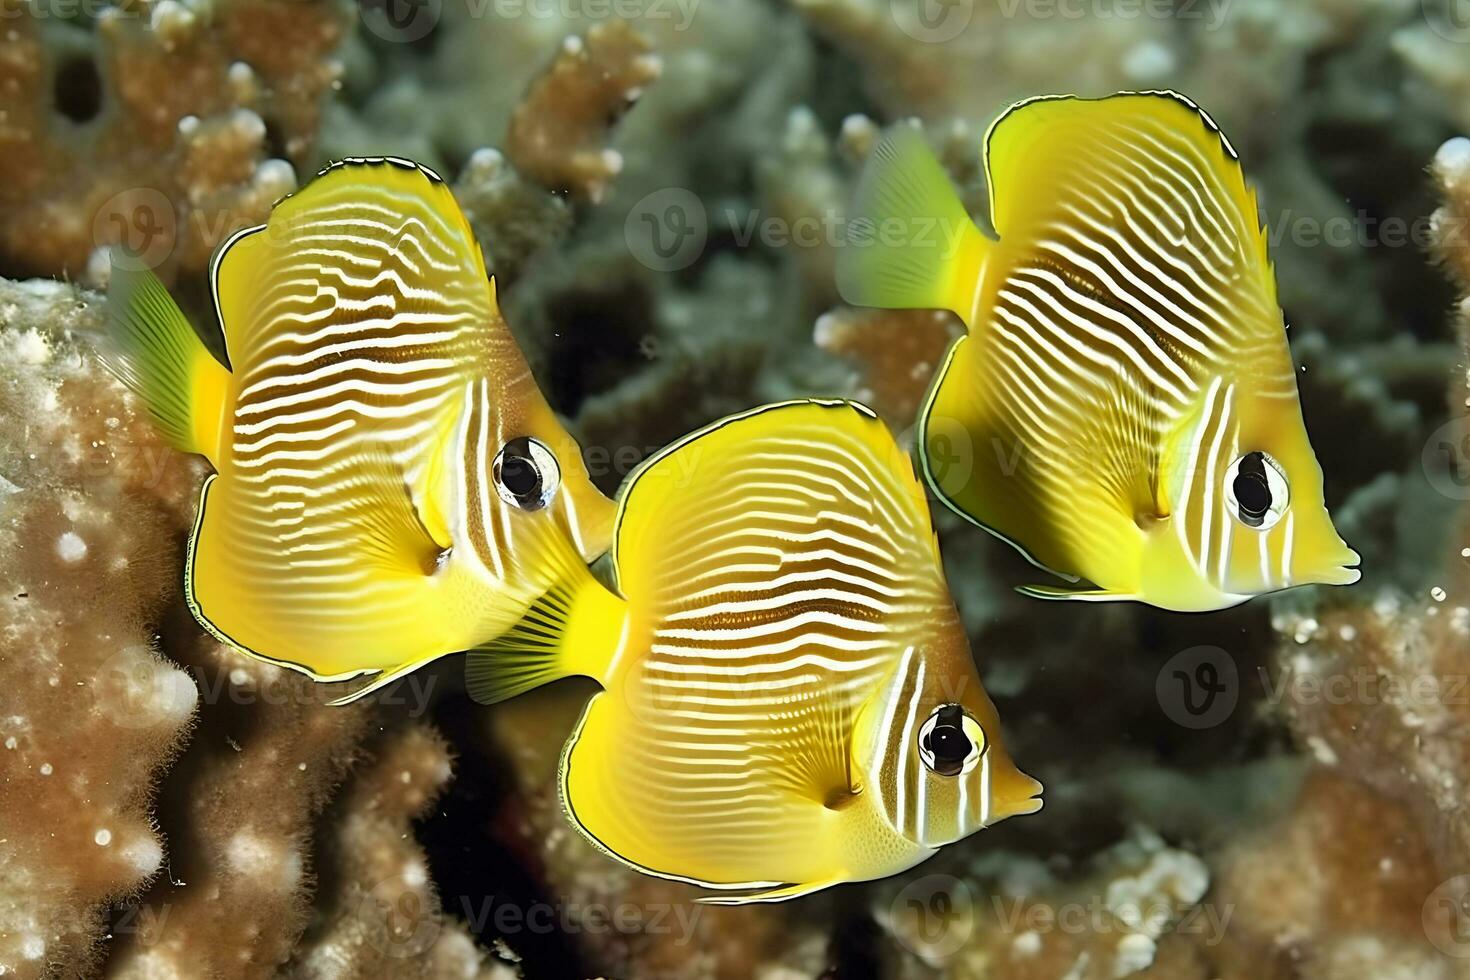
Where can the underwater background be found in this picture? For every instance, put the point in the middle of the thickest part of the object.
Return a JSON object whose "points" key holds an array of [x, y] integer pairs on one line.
{"points": [[1278, 790]]}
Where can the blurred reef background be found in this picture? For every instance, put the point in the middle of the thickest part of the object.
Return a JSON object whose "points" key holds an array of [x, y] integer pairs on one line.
{"points": [[659, 186]]}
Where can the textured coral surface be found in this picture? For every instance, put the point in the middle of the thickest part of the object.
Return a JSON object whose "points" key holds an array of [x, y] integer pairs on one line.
{"points": [[660, 188]]}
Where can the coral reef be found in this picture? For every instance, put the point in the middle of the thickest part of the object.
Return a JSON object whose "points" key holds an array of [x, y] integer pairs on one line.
{"points": [[90, 713], [557, 133], [660, 191], [165, 127]]}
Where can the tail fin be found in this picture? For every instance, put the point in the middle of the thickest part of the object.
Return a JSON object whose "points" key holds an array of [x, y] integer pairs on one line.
{"points": [[913, 245], [575, 628], [156, 353]]}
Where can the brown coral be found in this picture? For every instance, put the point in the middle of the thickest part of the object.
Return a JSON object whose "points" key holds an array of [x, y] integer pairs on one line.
{"points": [[156, 129], [895, 353], [382, 917], [266, 759], [1345, 870], [90, 500], [558, 133]]}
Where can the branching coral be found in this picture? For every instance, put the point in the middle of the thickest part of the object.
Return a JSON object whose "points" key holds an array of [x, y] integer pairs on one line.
{"points": [[89, 713], [382, 917], [895, 355], [243, 867], [94, 507], [558, 133], [163, 128]]}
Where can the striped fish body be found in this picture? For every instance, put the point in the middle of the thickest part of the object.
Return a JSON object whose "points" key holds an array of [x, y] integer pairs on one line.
{"points": [[358, 521], [1124, 407], [782, 636]]}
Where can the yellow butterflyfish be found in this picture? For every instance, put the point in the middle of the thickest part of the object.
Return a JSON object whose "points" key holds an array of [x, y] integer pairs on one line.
{"points": [[789, 700], [1123, 407], [389, 480]]}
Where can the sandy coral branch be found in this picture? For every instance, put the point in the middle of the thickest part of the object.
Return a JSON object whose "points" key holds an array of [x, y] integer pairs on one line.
{"points": [[558, 133]]}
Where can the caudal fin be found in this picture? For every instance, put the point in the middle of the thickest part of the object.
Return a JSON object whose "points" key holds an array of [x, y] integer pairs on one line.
{"points": [[575, 628], [156, 353], [911, 245]]}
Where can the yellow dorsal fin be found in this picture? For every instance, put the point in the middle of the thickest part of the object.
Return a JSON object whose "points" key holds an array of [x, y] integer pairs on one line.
{"points": [[383, 223], [676, 508], [1135, 142]]}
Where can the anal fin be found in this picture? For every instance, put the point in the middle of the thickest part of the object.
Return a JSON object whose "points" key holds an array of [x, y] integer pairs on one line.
{"points": [[783, 894], [1059, 594]]}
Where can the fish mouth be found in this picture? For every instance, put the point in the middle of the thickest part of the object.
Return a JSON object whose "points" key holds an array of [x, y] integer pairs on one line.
{"points": [[1347, 571], [1021, 808], [1335, 565]]}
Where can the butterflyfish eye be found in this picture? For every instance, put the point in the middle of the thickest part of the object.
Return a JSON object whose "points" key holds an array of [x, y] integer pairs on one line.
{"points": [[1256, 491], [526, 474], [950, 741]]}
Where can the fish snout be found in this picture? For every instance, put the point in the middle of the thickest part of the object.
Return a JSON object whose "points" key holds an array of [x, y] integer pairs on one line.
{"points": [[1338, 567], [1016, 796]]}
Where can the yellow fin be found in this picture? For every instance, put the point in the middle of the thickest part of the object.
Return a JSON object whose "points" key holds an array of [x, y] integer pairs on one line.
{"points": [[1056, 593], [1045, 145], [361, 594], [783, 894], [156, 352], [575, 628], [912, 244], [385, 231]]}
